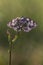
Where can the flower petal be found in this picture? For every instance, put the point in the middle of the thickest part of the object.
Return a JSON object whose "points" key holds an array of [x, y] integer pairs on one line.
{"points": [[23, 23]]}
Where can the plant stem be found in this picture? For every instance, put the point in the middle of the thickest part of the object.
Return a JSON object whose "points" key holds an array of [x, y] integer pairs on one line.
{"points": [[10, 40], [10, 52], [10, 58], [10, 46]]}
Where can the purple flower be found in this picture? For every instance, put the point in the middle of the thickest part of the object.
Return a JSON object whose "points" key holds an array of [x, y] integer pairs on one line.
{"points": [[22, 23]]}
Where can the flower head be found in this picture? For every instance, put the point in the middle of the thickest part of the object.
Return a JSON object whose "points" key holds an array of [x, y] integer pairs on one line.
{"points": [[22, 23]]}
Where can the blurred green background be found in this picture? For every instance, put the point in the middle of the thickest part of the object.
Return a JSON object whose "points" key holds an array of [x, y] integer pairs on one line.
{"points": [[28, 49]]}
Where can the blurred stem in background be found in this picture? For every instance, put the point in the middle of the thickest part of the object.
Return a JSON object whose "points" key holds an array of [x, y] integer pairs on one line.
{"points": [[10, 40]]}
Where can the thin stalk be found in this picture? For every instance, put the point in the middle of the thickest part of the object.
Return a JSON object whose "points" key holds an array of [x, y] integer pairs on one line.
{"points": [[10, 40], [10, 53], [10, 46]]}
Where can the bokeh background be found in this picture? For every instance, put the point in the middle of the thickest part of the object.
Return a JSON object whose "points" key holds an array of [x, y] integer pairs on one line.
{"points": [[28, 48]]}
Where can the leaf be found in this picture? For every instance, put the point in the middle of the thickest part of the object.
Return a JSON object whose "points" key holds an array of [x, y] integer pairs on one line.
{"points": [[14, 39]]}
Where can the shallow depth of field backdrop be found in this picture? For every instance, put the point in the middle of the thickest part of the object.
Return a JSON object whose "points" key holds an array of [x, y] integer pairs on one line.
{"points": [[28, 49]]}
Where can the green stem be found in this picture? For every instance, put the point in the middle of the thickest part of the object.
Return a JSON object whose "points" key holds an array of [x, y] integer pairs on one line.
{"points": [[10, 51], [10, 45]]}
